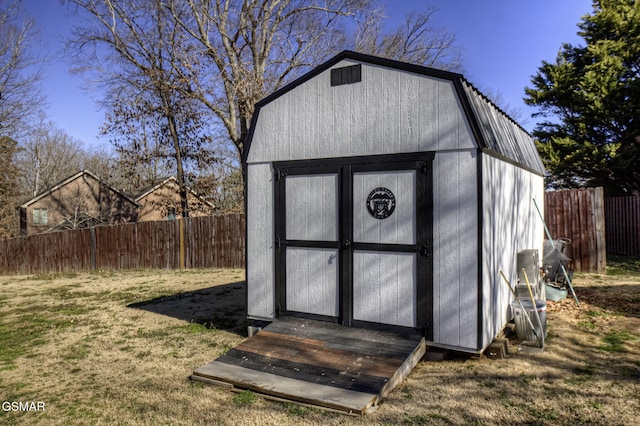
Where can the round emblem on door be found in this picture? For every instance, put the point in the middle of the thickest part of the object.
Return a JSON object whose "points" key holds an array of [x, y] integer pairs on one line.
{"points": [[381, 203]]}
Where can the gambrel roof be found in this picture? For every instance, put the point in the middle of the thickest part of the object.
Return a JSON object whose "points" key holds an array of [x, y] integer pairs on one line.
{"points": [[494, 131]]}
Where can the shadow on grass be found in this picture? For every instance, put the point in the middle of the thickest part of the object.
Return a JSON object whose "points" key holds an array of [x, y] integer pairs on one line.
{"points": [[222, 307]]}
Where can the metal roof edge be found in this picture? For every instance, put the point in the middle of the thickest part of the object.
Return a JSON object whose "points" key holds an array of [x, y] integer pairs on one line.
{"points": [[486, 99], [500, 156]]}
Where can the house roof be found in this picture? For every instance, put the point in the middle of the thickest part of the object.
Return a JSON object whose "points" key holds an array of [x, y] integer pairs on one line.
{"points": [[493, 129], [140, 193], [71, 179], [143, 191]]}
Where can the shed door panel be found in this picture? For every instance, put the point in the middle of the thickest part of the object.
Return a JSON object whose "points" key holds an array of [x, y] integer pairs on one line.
{"points": [[312, 224], [385, 258], [312, 281], [312, 207], [384, 287], [400, 226]]}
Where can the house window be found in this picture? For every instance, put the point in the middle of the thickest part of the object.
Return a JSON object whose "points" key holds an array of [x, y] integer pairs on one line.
{"points": [[40, 217], [171, 213]]}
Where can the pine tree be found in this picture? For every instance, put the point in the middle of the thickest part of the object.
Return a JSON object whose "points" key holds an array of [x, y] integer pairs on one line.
{"points": [[591, 99]]}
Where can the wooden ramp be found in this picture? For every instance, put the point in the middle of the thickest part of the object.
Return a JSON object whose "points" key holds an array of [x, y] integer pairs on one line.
{"points": [[317, 363]]}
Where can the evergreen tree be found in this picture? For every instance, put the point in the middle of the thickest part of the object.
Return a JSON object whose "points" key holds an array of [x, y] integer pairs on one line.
{"points": [[591, 99]]}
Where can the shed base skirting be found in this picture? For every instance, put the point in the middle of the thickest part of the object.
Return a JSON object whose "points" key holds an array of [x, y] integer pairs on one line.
{"points": [[317, 363]]}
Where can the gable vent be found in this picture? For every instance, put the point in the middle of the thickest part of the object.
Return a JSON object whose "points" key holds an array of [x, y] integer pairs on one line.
{"points": [[346, 75]]}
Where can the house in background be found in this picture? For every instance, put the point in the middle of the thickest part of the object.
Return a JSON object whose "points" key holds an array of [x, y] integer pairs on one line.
{"points": [[80, 201], [161, 201], [84, 200]]}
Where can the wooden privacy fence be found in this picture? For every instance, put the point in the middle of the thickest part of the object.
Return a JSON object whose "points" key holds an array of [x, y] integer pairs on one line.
{"points": [[623, 225], [578, 214], [198, 242]]}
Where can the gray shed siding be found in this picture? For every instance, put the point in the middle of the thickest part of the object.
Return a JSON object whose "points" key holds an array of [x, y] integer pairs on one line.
{"points": [[455, 249], [260, 239], [510, 224], [389, 112]]}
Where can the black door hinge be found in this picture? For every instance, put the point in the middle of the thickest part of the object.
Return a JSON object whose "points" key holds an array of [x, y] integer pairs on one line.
{"points": [[279, 174]]}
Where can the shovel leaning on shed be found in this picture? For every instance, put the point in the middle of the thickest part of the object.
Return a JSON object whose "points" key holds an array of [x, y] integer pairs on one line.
{"points": [[535, 309], [539, 339]]}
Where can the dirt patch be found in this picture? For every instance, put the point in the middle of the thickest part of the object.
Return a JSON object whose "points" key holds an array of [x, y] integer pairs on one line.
{"points": [[118, 348]]}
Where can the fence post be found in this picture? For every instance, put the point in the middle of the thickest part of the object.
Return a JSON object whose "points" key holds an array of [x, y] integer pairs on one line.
{"points": [[92, 233], [182, 248]]}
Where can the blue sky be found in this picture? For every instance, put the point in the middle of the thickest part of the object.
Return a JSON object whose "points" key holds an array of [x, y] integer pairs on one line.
{"points": [[503, 43]]}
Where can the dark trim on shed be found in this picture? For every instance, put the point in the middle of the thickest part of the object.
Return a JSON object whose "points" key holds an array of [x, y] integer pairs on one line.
{"points": [[345, 167], [508, 160], [245, 189], [388, 160], [480, 221], [345, 230], [468, 111]]}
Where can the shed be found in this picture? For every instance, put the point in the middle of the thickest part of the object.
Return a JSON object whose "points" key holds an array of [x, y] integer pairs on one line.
{"points": [[386, 195]]}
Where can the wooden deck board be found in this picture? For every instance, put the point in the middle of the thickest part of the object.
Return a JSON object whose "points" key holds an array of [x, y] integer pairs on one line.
{"points": [[318, 363], [353, 380], [335, 333], [291, 389], [316, 353]]}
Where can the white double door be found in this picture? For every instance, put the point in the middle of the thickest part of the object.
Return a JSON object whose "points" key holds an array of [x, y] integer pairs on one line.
{"points": [[352, 245]]}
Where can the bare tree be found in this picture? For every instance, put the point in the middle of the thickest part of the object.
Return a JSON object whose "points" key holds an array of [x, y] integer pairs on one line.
{"points": [[247, 49], [137, 136], [134, 47], [47, 155], [77, 210], [416, 41], [19, 98], [222, 185], [103, 164], [497, 98], [8, 194], [157, 55]]}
